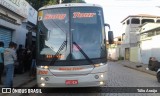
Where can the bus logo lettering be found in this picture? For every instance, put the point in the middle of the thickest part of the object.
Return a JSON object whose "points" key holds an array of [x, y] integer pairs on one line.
{"points": [[70, 69], [55, 16], [42, 72], [83, 15]]}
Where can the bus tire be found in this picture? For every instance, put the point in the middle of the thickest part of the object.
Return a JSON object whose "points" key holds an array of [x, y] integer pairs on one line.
{"points": [[158, 77]]}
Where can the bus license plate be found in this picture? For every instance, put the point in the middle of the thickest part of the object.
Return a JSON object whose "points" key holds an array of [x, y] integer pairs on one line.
{"points": [[71, 82]]}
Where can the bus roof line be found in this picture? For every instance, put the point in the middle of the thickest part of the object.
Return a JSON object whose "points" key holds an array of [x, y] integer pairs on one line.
{"points": [[70, 5]]}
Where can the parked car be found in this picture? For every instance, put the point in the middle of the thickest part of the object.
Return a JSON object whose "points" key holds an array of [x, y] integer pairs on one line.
{"points": [[158, 75], [154, 65]]}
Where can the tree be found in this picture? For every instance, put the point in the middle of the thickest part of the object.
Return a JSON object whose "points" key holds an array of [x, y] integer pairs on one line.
{"points": [[77, 1], [39, 3]]}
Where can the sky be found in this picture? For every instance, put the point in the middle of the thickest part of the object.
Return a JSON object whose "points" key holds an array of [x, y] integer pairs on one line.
{"points": [[117, 10]]}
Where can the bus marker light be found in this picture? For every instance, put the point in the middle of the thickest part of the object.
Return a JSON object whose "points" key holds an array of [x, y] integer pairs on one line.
{"points": [[54, 56], [101, 64], [98, 65]]}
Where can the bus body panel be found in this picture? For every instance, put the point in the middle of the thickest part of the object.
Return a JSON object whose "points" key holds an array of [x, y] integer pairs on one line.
{"points": [[71, 70], [98, 77]]}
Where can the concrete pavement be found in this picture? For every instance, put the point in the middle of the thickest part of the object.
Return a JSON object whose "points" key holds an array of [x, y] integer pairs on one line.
{"points": [[137, 66], [20, 79]]}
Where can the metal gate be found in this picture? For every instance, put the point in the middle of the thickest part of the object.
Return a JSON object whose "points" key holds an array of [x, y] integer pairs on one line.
{"points": [[5, 36]]}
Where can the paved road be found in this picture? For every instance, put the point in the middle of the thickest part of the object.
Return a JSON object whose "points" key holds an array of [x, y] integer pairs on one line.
{"points": [[119, 76], [124, 77]]}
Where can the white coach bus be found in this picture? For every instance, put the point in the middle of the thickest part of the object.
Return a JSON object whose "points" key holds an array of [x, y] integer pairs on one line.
{"points": [[71, 46]]}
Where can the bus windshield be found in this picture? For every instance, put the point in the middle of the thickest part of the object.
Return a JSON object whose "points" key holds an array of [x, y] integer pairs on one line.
{"points": [[78, 26], [53, 30], [86, 28]]}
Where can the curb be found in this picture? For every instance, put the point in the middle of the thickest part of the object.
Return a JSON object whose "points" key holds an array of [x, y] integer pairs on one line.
{"points": [[140, 70]]}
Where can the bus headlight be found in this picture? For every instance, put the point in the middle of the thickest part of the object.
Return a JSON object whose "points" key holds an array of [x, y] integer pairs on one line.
{"points": [[44, 67], [42, 78], [101, 82], [101, 75], [42, 84]]}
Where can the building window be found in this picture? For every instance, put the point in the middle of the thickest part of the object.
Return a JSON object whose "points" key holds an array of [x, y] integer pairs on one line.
{"points": [[147, 20], [158, 21], [144, 35], [150, 34], [135, 21], [158, 32], [123, 36], [128, 22], [119, 39]]}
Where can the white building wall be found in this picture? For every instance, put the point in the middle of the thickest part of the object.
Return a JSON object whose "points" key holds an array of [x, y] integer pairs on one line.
{"points": [[127, 35], [122, 51], [134, 52], [146, 51], [149, 26], [156, 47], [19, 36], [133, 35], [24, 13], [19, 30], [150, 48]]}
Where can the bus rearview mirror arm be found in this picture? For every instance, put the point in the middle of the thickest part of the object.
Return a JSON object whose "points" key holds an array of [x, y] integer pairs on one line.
{"points": [[107, 25]]}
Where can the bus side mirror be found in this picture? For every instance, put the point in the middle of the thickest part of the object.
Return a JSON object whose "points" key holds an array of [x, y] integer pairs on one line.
{"points": [[110, 37], [110, 34]]}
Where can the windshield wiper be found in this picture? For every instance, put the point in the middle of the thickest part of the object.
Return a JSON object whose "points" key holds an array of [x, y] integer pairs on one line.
{"points": [[84, 54], [58, 53]]}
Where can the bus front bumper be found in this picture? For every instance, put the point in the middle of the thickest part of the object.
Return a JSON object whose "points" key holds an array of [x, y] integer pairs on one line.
{"points": [[89, 80]]}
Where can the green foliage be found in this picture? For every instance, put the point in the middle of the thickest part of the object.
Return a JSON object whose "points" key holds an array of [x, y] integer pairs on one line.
{"points": [[77, 1], [50, 2], [40, 3]]}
